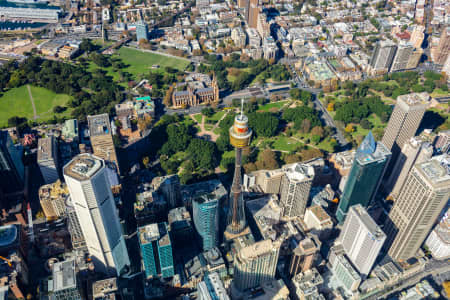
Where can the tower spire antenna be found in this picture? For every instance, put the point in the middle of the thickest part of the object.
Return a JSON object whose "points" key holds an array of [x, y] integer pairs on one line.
{"points": [[242, 106]]}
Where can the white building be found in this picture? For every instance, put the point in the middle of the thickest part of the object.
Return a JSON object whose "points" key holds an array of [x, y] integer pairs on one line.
{"points": [[13, 11], [47, 159], [212, 288], [295, 187], [439, 239], [361, 238], [239, 37], [93, 200], [254, 40]]}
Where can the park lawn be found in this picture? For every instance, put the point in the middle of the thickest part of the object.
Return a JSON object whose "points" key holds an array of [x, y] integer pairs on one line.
{"points": [[217, 116], [217, 131], [198, 118], [283, 143], [268, 106], [140, 62], [16, 102], [326, 145], [228, 154], [439, 93]]}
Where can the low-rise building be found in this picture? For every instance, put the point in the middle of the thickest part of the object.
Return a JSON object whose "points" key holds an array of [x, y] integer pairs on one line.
{"points": [[53, 199]]}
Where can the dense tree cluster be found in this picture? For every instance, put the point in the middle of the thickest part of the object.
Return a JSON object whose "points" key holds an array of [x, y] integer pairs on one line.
{"points": [[263, 123], [301, 114], [353, 111], [302, 95]]}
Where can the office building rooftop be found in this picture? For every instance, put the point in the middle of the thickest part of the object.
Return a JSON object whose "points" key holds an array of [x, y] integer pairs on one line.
{"points": [[368, 222], [83, 166], [257, 249], [148, 233], [64, 276], [8, 235], [414, 99], [299, 172], [437, 170], [45, 150], [104, 289], [99, 125]]}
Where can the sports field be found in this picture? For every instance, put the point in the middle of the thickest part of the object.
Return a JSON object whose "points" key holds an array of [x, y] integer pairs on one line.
{"points": [[17, 102]]}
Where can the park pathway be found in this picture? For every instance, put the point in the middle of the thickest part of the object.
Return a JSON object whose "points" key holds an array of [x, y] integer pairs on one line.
{"points": [[203, 131], [35, 116]]}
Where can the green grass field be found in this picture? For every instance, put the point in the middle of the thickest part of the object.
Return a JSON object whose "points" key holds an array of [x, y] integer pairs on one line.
{"points": [[283, 143], [268, 106], [139, 63], [16, 102]]}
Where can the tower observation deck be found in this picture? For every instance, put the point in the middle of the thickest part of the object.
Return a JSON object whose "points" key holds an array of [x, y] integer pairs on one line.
{"points": [[240, 136]]}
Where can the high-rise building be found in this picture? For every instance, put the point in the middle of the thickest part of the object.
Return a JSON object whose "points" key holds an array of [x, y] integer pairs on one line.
{"points": [[417, 36], [47, 158], [404, 122], [414, 151], [239, 37], [414, 58], [365, 175], [295, 187], [255, 264], [101, 139], [344, 272], [446, 67], [169, 186], [253, 13], [212, 288], [443, 48], [11, 165], [64, 281], [156, 250], [240, 136], [361, 238], [205, 210], [53, 199], [439, 239], [141, 31], [421, 200], [180, 225], [442, 141], [73, 224], [402, 56], [383, 55], [303, 257], [91, 195]]}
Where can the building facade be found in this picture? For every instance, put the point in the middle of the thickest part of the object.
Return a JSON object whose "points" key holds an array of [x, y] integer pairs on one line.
{"points": [[439, 239], [303, 257], [361, 238], [295, 188], [256, 264], [194, 97], [205, 209], [11, 166], [382, 56], [141, 31], [89, 188], [47, 159], [421, 200], [413, 152], [156, 250], [101, 139], [402, 56], [365, 175]]}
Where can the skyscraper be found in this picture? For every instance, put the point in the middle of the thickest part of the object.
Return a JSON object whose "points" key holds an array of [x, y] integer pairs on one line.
{"points": [[421, 200], [440, 53], [47, 159], [404, 121], [361, 238], [141, 31], [417, 36], [253, 13], [169, 186], [240, 136], [11, 165], [365, 175], [295, 187], [439, 239], [101, 139], [156, 250], [414, 151], [402, 56], [255, 264], [205, 210], [94, 204], [382, 56], [303, 256]]}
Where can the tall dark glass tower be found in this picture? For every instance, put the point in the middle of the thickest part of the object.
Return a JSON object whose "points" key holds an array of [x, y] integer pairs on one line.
{"points": [[367, 170], [240, 136]]}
